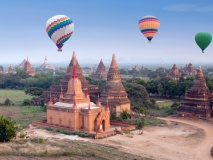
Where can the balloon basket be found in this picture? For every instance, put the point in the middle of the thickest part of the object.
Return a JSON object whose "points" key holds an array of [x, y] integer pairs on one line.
{"points": [[149, 41], [59, 50]]}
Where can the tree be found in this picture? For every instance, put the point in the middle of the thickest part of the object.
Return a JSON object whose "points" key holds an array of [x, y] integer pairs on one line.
{"points": [[125, 114], [7, 129], [34, 91], [8, 102], [140, 124]]}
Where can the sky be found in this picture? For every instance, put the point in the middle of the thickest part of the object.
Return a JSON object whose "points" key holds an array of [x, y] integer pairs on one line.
{"points": [[104, 27]]}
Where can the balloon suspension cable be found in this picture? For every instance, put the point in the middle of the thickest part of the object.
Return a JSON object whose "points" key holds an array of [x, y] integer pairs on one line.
{"points": [[202, 51], [149, 41]]}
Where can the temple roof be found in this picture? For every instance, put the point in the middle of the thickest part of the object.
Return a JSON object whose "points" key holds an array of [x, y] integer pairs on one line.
{"points": [[174, 72], [46, 65], [114, 73], [199, 88], [114, 90], [101, 72]]}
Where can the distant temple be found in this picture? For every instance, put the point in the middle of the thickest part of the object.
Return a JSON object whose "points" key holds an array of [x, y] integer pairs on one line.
{"points": [[189, 70], [197, 100], [56, 89], [174, 73], [28, 68], [10, 70], [75, 111], [21, 65], [114, 92], [46, 66], [101, 72]]}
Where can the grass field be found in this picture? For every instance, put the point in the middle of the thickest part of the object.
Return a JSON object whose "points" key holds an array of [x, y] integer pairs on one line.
{"points": [[166, 103], [69, 149], [16, 96], [22, 115]]}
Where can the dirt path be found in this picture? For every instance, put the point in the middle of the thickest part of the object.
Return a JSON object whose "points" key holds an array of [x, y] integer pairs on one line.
{"points": [[202, 150], [180, 139]]}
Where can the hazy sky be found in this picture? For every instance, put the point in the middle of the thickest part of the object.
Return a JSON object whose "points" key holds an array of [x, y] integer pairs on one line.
{"points": [[104, 27]]}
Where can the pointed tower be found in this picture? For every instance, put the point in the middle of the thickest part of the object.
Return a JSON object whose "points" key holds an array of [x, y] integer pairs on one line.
{"points": [[101, 72], [114, 90], [174, 73], [28, 68], [197, 100], [10, 70], [74, 89]]}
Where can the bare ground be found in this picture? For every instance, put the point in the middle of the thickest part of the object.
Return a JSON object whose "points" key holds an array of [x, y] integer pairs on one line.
{"points": [[184, 139], [181, 138]]}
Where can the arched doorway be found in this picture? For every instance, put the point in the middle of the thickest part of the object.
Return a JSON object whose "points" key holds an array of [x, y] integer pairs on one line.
{"points": [[103, 125]]}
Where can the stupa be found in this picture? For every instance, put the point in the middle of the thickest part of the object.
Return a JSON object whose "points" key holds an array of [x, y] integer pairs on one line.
{"points": [[174, 73], [197, 100], [114, 91], [56, 89], [101, 72], [46, 66], [10, 70], [189, 70], [75, 111], [28, 68]]}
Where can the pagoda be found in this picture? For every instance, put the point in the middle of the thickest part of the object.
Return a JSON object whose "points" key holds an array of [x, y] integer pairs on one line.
{"points": [[75, 111], [46, 66], [189, 70], [101, 72], [10, 70], [63, 85], [197, 100], [174, 73], [28, 68], [114, 92]]}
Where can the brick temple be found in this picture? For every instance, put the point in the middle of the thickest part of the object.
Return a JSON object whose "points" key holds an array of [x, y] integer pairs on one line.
{"points": [[189, 70], [174, 73], [114, 92], [75, 111], [28, 68], [198, 99], [56, 89], [101, 72]]}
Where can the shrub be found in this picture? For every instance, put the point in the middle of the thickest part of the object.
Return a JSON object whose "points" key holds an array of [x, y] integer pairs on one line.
{"points": [[8, 102], [7, 129], [22, 134], [125, 114], [27, 102], [37, 140], [49, 129]]}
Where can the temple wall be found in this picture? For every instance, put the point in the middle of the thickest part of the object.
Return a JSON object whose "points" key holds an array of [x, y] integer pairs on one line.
{"points": [[61, 118]]}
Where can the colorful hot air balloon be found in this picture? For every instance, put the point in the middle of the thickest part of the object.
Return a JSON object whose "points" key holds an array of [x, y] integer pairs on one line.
{"points": [[203, 39], [149, 26], [59, 28]]}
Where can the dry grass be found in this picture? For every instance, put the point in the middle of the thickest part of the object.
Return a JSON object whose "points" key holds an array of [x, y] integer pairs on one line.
{"points": [[67, 148], [16, 96]]}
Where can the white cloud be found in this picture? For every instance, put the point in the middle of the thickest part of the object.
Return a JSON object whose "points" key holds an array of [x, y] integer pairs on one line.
{"points": [[188, 8]]}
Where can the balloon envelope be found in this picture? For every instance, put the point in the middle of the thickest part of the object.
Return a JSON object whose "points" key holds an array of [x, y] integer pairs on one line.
{"points": [[203, 39], [149, 26], [59, 28]]}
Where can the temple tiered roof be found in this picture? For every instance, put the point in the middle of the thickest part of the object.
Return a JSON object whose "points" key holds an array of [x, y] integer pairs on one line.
{"points": [[101, 72], [114, 91], [46, 66], [189, 70], [28, 68], [174, 73], [197, 100]]}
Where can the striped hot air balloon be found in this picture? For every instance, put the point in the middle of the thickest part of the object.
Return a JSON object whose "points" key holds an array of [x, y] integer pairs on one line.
{"points": [[149, 26], [59, 28]]}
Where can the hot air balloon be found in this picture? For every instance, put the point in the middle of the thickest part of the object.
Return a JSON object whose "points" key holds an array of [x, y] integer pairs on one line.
{"points": [[203, 39], [149, 26], [59, 28]]}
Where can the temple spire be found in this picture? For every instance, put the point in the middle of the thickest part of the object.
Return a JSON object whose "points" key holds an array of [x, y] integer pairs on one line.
{"points": [[107, 105], [50, 101], [98, 102], [114, 62], [74, 74], [89, 106], [61, 94]]}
